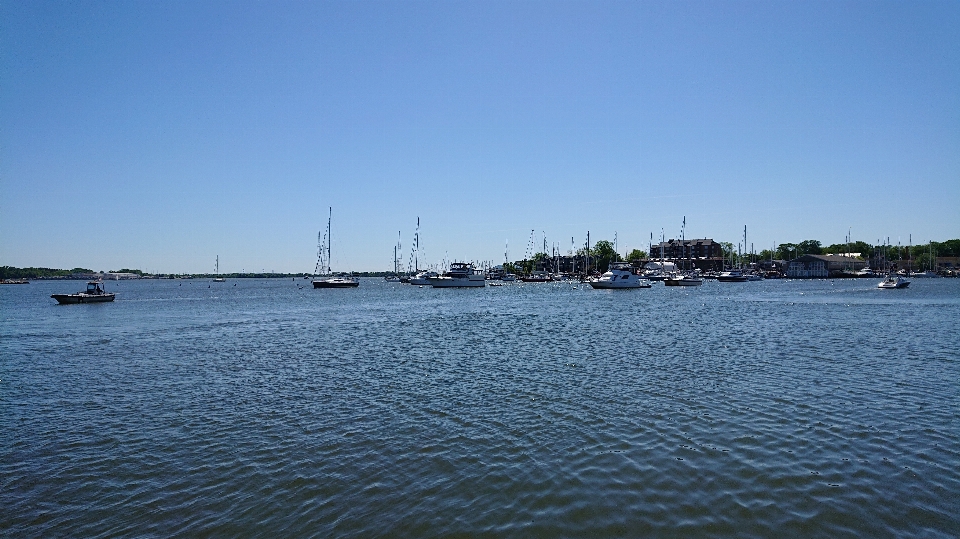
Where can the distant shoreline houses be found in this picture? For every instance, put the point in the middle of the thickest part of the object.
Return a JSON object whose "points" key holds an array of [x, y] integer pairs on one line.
{"points": [[707, 255]]}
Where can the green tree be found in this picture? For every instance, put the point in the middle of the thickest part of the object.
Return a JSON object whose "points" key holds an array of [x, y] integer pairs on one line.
{"points": [[729, 252], [603, 254], [810, 247], [787, 251], [540, 261], [636, 255]]}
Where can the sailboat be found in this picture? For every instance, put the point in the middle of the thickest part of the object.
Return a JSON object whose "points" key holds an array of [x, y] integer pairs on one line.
{"points": [[218, 278], [330, 280]]}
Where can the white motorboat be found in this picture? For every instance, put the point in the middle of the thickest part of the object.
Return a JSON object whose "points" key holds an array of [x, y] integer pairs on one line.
{"points": [[732, 276], [509, 277], [618, 276], [460, 274], [893, 281], [423, 278], [679, 279], [341, 281], [93, 294]]}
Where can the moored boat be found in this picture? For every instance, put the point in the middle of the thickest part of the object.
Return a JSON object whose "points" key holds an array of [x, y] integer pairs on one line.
{"points": [[619, 276], [93, 294], [341, 281], [680, 279], [460, 274], [218, 278], [732, 276], [423, 278], [537, 277], [329, 280]]}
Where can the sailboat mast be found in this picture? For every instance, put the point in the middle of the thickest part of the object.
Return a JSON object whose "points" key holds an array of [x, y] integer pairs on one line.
{"points": [[329, 238]]}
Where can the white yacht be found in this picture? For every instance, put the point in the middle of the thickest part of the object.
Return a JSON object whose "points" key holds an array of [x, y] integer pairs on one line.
{"points": [[460, 274], [893, 281], [680, 279], [619, 276], [423, 278], [732, 276], [342, 281]]}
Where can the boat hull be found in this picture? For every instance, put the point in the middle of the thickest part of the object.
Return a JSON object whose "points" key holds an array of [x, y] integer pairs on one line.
{"points": [[732, 279], [683, 282], [70, 299], [452, 282], [336, 283], [607, 285]]}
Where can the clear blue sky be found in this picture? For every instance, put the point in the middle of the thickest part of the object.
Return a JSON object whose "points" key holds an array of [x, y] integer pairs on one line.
{"points": [[158, 135]]}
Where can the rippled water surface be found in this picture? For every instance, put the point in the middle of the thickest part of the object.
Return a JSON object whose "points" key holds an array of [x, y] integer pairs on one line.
{"points": [[257, 408]]}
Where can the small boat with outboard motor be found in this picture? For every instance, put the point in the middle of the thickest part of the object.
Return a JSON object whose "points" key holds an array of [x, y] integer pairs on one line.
{"points": [[93, 294]]}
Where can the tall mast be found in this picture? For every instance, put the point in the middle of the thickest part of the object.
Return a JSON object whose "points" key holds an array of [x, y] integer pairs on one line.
{"points": [[329, 238], [683, 240]]}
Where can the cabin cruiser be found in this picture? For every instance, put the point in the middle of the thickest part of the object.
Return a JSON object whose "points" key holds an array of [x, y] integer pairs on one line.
{"points": [[619, 276], [423, 278], [93, 294], [460, 274], [340, 281], [508, 277], [680, 279], [893, 281], [732, 276]]}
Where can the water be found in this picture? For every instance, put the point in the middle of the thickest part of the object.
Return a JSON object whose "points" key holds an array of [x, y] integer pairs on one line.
{"points": [[257, 408]]}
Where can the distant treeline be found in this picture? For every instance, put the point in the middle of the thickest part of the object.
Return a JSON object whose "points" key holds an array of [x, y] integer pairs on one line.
{"points": [[10, 272], [785, 251]]}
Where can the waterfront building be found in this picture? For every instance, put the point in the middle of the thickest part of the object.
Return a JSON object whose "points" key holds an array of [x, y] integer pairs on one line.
{"points": [[823, 266], [704, 253]]}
